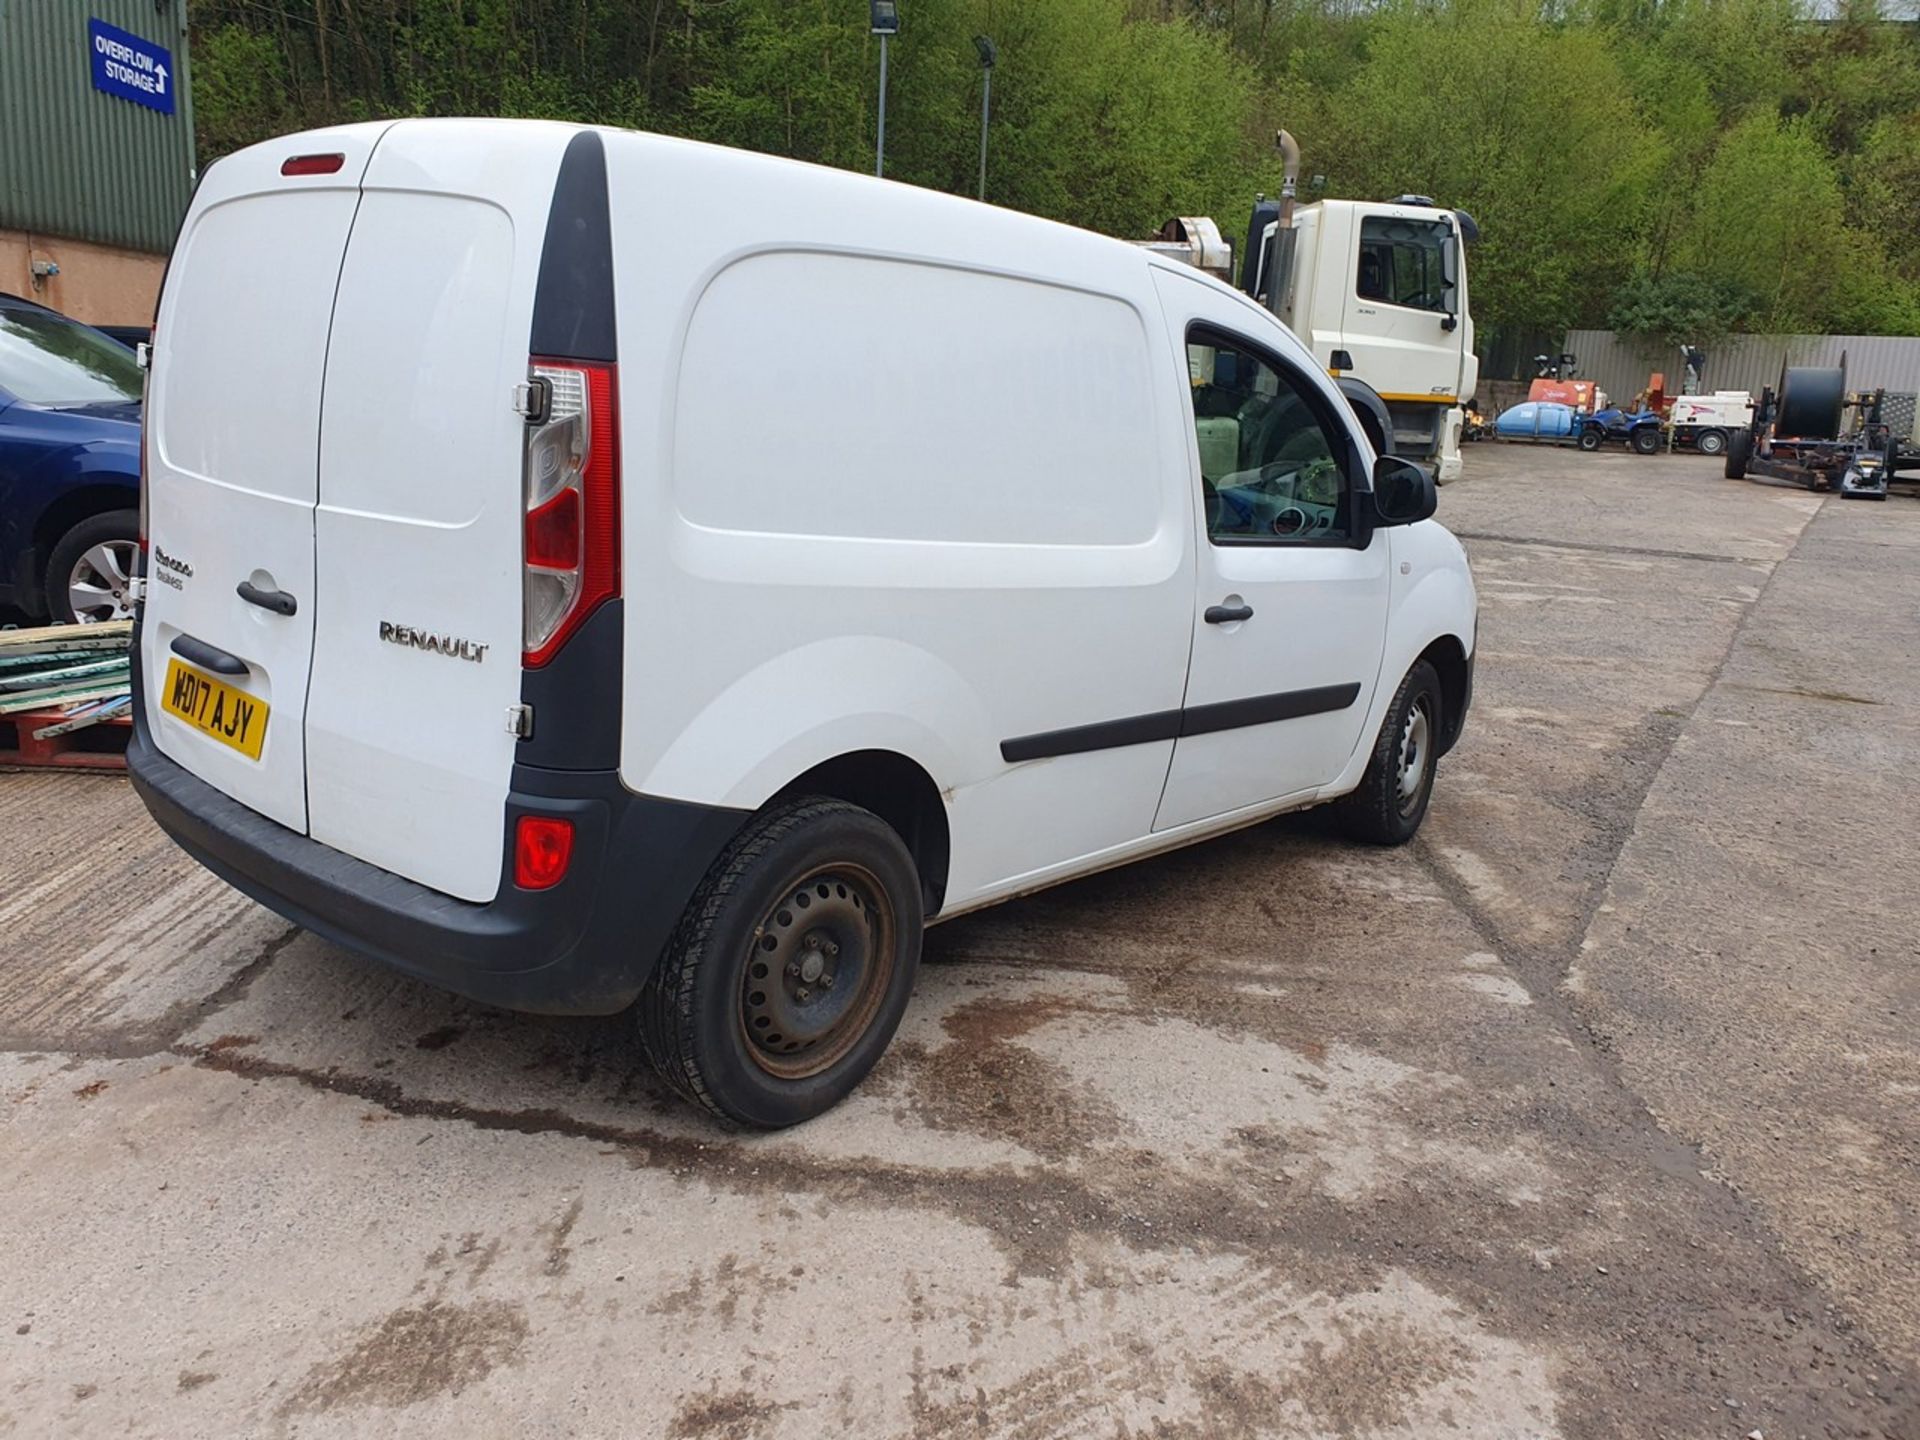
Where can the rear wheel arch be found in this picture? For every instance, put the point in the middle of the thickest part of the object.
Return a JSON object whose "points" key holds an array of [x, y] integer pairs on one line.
{"points": [[901, 792]]}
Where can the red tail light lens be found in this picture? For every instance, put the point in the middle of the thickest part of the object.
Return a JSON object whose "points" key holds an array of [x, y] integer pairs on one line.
{"points": [[571, 540], [312, 164], [542, 850]]}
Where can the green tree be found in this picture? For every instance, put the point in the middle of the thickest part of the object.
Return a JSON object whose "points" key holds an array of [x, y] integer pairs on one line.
{"points": [[1679, 309]]}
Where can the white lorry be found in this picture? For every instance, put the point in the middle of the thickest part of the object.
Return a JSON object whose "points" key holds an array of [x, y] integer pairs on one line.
{"points": [[1376, 290], [584, 612]]}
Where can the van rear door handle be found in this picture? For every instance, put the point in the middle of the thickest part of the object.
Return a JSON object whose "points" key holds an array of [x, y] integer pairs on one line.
{"points": [[277, 601], [1227, 614], [207, 657]]}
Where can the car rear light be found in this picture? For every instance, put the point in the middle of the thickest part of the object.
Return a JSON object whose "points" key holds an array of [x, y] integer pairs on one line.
{"points": [[312, 164], [571, 538], [542, 850]]}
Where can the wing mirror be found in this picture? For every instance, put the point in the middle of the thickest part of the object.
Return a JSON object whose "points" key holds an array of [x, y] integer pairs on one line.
{"points": [[1403, 493]]}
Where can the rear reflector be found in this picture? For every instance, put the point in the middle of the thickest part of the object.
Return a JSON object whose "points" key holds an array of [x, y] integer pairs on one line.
{"points": [[542, 850], [312, 164]]}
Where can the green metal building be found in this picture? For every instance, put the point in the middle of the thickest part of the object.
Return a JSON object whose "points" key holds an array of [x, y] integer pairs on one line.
{"points": [[96, 150]]}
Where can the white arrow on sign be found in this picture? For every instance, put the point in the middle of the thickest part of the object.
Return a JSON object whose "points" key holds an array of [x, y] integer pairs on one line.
{"points": [[161, 71]]}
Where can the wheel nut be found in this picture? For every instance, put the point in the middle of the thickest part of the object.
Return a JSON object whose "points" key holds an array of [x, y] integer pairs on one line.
{"points": [[832, 947], [826, 982], [802, 993], [793, 969]]}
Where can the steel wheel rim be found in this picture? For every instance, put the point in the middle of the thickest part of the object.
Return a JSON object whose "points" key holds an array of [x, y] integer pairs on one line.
{"points": [[100, 585], [1416, 756], [819, 969]]}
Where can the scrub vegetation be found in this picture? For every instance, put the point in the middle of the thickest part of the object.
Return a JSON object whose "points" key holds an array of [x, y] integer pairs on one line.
{"points": [[1670, 167]]}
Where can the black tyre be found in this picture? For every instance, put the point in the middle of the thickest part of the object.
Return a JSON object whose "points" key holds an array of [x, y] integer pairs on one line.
{"points": [[1739, 452], [1646, 440], [790, 969], [1590, 438], [89, 572], [1711, 442], [1392, 799]]}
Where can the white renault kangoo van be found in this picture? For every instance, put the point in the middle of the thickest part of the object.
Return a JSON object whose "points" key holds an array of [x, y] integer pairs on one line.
{"points": [[594, 571]]}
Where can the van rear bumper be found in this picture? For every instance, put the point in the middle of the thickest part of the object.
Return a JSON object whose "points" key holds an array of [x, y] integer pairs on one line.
{"points": [[584, 947]]}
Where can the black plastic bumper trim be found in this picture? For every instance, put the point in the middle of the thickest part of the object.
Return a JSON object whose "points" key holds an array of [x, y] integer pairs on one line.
{"points": [[584, 947]]}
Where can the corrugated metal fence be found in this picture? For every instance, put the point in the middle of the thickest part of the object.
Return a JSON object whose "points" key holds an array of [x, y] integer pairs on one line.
{"points": [[1747, 362], [75, 161]]}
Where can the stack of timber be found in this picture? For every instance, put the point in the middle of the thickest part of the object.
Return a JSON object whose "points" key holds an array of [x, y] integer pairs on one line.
{"points": [[65, 696]]}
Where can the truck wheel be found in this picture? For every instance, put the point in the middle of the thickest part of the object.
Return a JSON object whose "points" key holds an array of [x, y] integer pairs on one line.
{"points": [[1392, 799], [791, 967], [1590, 438], [89, 570], [1646, 440], [1739, 451], [1711, 442]]}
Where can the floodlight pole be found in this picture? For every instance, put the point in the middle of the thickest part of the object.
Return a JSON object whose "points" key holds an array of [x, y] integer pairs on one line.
{"points": [[987, 57], [880, 146]]}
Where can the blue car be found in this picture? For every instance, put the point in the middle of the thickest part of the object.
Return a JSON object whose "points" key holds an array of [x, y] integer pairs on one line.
{"points": [[69, 466]]}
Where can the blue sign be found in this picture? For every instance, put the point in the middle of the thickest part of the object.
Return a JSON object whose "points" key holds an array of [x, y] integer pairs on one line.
{"points": [[132, 68]]}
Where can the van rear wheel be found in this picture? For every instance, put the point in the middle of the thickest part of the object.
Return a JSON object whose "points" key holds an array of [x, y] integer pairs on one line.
{"points": [[1392, 798], [791, 967]]}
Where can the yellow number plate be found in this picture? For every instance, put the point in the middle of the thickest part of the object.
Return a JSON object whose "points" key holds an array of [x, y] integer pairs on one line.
{"points": [[212, 707]]}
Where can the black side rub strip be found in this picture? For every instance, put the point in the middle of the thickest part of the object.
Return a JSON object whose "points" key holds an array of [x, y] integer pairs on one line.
{"points": [[1105, 735], [1171, 724], [1265, 709]]}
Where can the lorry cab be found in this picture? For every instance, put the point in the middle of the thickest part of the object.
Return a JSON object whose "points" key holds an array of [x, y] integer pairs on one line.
{"points": [[1378, 292], [586, 614]]}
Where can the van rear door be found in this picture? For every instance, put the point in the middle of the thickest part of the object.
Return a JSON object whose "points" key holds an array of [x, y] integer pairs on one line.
{"points": [[232, 446], [416, 659]]}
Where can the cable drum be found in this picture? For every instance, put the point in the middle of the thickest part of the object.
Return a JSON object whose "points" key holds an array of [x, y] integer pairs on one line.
{"points": [[1811, 397]]}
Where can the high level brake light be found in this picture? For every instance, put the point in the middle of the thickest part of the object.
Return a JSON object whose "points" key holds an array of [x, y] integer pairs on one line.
{"points": [[571, 544], [312, 164]]}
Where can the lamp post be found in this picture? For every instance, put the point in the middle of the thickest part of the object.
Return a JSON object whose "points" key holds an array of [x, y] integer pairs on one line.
{"points": [[886, 23], [987, 56]]}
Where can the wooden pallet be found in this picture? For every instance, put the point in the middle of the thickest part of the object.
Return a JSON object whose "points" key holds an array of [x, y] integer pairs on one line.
{"points": [[102, 746]]}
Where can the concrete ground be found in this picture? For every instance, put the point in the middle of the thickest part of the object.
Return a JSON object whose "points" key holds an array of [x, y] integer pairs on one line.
{"points": [[1592, 1113]]}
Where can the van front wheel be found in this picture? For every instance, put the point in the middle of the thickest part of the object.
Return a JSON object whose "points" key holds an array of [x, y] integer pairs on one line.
{"points": [[1392, 799], [791, 967]]}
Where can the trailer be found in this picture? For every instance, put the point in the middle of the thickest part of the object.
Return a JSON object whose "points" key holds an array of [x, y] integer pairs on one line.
{"points": [[1812, 431], [1707, 422]]}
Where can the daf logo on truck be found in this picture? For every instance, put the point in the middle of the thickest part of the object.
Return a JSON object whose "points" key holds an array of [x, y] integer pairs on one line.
{"points": [[434, 644]]}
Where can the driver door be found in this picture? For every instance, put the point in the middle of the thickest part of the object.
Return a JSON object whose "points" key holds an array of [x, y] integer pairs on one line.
{"points": [[1290, 617]]}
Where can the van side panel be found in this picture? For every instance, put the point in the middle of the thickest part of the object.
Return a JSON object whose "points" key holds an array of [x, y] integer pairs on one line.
{"points": [[418, 529], [901, 477]]}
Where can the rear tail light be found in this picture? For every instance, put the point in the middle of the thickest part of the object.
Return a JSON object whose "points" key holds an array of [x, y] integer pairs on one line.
{"points": [[542, 850], [571, 539]]}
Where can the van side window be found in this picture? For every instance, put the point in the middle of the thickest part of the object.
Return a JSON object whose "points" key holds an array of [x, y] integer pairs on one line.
{"points": [[1271, 469], [1403, 262]]}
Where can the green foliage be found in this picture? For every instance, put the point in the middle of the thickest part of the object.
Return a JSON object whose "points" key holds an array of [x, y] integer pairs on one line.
{"points": [[1679, 309], [1677, 166]]}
